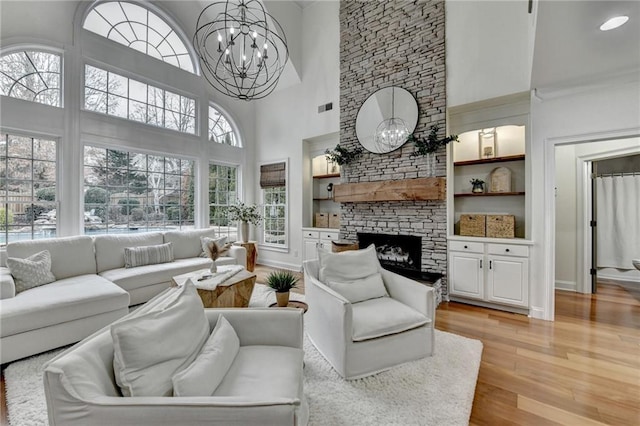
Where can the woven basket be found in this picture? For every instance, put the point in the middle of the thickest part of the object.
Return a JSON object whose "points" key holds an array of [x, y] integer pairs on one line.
{"points": [[501, 226], [322, 220], [340, 246], [334, 220], [472, 225]]}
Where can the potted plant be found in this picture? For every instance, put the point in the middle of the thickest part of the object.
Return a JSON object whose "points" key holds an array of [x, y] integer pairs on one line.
{"points": [[245, 215], [477, 186], [282, 282]]}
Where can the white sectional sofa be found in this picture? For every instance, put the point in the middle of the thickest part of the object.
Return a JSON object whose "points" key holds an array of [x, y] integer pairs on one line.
{"points": [[92, 288]]}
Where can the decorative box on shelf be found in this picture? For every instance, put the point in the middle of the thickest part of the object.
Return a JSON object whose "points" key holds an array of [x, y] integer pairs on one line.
{"points": [[472, 225], [334, 220], [501, 226], [322, 220]]}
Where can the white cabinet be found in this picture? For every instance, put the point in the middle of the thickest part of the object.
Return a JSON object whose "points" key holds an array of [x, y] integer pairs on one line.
{"points": [[314, 238], [489, 272]]}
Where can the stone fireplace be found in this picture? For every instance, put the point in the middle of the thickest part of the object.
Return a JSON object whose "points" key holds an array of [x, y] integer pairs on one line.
{"points": [[401, 44]]}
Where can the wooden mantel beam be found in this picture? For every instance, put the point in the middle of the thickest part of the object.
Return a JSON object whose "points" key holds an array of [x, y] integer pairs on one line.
{"points": [[432, 188]]}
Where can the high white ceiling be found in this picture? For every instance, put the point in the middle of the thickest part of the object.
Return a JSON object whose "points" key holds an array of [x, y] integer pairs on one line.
{"points": [[570, 49]]}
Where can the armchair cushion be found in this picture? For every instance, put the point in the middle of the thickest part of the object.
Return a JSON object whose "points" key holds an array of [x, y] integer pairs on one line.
{"points": [[383, 316], [151, 348], [204, 375], [347, 265], [31, 272], [355, 291]]}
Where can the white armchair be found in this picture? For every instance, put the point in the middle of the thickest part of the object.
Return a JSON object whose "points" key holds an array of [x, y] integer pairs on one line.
{"points": [[367, 337]]}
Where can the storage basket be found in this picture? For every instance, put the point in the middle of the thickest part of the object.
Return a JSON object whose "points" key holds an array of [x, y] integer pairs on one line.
{"points": [[472, 225], [501, 226], [334, 220], [322, 220], [340, 246]]}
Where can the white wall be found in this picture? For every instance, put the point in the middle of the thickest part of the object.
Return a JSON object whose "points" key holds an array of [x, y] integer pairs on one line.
{"points": [[609, 110], [489, 49], [288, 117]]}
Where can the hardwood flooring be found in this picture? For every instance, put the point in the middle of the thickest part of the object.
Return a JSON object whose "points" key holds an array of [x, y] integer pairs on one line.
{"points": [[582, 369]]}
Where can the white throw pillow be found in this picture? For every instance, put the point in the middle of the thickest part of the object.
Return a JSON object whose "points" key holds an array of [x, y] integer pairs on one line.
{"points": [[356, 291], [150, 349], [148, 255], [32, 271], [204, 375], [221, 241], [347, 265]]}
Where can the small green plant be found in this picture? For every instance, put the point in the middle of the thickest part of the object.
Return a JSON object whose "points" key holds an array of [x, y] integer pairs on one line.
{"points": [[476, 182], [431, 143], [244, 213], [282, 281], [342, 156]]}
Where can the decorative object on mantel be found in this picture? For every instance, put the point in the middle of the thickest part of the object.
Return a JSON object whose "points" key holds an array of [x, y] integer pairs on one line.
{"points": [[214, 251], [431, 188], [243, 50], [428, 146], [500, 179], [342, 155], [477, 186], [245, 215], [282, 282]]}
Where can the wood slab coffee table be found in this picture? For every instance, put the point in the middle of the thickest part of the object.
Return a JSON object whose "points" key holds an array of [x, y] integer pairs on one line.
{"points": [[235, 292]]}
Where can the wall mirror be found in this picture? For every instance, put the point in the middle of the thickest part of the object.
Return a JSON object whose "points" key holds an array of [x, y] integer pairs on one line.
{"points": [[385, 119]]}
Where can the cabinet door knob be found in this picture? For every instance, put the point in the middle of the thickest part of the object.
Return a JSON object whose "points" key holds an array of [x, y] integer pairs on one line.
{"points": [[507, 250], [466, 247]]}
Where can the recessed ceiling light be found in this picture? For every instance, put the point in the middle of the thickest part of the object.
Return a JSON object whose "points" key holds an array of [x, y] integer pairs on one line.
{"points": [[614, 22]]}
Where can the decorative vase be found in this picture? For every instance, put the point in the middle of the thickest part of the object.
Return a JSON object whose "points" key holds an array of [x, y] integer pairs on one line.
{"points": [[213, 268], [478, 188], [244, 232], [431, 161], [282, 298]]}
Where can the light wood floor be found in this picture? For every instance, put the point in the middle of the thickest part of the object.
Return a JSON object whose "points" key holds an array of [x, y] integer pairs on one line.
{"points": [[582, 369]]}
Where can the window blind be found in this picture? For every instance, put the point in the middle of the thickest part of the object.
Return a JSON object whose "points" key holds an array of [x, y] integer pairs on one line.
{"points": [[273, 175]]}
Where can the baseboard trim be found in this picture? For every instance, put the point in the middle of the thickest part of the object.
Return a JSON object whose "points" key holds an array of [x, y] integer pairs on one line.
{"points": [[537, 313], [280, 265], [566, 285], [633, 280]]}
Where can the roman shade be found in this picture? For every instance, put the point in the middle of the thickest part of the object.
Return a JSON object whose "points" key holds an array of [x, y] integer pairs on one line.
{"points": [[273, 175]]}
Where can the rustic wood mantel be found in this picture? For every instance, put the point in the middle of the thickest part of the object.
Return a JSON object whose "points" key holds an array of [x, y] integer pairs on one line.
{"points": [[431, 188]]}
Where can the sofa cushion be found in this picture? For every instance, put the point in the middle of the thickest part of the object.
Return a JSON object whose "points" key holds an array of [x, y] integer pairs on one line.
{"points": [[151, 348], [110, 248], [142, 276], [147, 255], [31, 272], [264, 370], [204, 375], [187, 243], [356, 291], [64, 300], [382, 317], [347, 265], [70, 256]]}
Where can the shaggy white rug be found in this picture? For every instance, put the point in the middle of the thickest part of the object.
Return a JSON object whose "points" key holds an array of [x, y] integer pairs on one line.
{"points": [[433, 391]]}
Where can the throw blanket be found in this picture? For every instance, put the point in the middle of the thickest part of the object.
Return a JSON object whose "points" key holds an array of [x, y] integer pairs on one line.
{"points": [[224, 273]]}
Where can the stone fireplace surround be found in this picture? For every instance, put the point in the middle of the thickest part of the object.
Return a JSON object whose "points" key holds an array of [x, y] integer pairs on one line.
{"points": [[402, 44]]}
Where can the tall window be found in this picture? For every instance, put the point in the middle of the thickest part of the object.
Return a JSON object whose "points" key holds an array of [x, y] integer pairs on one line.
{"points": [[32, 76], [27, 188], [137, 27], [220, 130], [223, 192], [133, 192], [273, 181], [113, 94]]}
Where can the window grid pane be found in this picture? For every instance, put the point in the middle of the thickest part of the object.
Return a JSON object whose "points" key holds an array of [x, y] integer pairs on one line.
{"points": [[33, 76], [131, 99], [223, 181], [274, 212], [220, 130], [138, 28], [128, 192], [27, 188]]}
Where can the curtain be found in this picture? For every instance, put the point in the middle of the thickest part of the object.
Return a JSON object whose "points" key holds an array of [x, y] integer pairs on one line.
{"points": [[618, 228]]}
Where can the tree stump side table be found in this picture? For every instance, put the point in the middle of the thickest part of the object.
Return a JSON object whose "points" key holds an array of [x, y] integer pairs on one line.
{"points": [[252, 253]]}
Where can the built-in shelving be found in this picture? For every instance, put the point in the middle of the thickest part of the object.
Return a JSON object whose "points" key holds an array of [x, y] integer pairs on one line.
{"points": [[488, 194], [323, 199], [330, 175], [490, 160]]}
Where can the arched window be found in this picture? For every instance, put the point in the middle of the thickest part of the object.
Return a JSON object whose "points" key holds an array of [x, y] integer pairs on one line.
{"points": [[220, 129], [31, 75], [134, 26]]}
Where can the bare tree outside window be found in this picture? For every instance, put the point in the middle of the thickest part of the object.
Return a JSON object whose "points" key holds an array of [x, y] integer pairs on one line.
{"points": [[31, 75]]}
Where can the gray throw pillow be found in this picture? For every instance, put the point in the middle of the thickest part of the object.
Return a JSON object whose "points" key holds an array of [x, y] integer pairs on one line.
{"points": [[148, 255], [204, 241], [31, 272]]}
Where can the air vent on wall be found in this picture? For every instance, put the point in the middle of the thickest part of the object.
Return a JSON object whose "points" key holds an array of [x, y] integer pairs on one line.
{"points": [[325, 107]]}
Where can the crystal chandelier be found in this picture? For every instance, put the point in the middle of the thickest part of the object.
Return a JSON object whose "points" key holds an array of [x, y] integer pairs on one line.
{"points": [[392, 132], [243, 50]]}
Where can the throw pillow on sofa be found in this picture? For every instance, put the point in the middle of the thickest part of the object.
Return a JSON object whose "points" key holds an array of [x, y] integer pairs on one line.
{"points": [[151, 348], [355, 291], [204, 242], [204, 375], [32, 271], [148, 255]]}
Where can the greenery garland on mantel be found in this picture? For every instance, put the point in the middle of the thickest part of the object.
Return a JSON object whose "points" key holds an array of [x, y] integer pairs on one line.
{"points": [[341, 155], [431, 143]]}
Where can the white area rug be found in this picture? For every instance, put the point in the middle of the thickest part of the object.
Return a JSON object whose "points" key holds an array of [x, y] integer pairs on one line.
{"points": [[433, 391]]}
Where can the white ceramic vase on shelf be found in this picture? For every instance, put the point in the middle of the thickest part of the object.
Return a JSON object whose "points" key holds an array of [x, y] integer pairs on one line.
{"points": [[244, 232]]}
